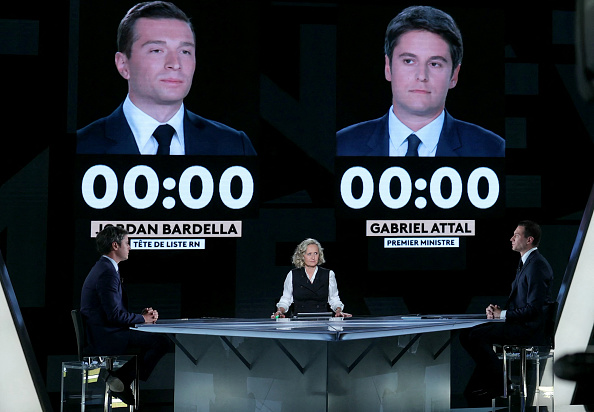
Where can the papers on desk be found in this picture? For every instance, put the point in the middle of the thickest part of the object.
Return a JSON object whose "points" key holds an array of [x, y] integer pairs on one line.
{"points": [[330, 319], [313, 315], [461, 316]]}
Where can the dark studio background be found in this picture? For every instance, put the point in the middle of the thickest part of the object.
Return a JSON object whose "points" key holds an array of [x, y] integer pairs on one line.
{"points": [[289, 74]]}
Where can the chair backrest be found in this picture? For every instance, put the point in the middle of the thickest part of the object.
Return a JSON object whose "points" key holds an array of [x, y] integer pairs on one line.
{"points": [[79, 330]]}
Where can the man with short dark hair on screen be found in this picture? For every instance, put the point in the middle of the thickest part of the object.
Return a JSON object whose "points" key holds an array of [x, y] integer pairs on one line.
{"points": [[423, 52], [157, 56], [525, 314], [103, 306]]}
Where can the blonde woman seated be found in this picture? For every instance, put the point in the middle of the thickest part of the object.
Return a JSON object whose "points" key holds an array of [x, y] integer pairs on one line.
{"points": [[309, 287]]}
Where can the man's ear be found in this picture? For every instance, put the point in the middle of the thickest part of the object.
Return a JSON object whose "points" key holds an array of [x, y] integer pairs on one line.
{"points": [[454, 79], [121, 62], [115, 246], [387, 68]]}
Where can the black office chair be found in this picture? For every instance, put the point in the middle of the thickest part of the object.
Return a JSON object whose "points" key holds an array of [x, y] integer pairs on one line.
{"points": [[538, 352], [107, 361], [79, 331]]}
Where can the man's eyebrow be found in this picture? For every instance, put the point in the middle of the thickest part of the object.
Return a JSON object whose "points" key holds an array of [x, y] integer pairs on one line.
{"points": [[408, 54], [148, 42], [445, 60], [163, 42]]}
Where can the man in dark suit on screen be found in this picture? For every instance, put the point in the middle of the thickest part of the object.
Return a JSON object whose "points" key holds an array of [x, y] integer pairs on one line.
{"points": [[156, 55], [103, 306], [423, 53], [525, 316]]}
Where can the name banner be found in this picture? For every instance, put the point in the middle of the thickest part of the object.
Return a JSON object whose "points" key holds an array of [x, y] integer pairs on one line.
{"points": [[166, 244], [420, 242], [173, 229], [420, 228]]}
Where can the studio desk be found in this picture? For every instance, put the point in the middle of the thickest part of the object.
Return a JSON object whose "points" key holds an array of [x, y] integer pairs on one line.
{"points": [[395, 363]]}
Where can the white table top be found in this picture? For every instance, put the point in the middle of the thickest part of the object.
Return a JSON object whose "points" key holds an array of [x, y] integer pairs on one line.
{"points": [[331, 329]]}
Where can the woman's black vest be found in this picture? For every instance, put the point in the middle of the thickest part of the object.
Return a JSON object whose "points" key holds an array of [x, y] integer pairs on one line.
{"points": [[310, 297]]}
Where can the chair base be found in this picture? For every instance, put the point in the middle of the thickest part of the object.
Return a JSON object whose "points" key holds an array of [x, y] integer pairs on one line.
{"points": [[528, 384], [83, 390]]}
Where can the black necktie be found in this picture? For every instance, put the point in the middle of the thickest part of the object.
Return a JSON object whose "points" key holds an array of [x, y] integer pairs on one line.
{"points": [[520, 266], [413, 145], [163, 134]]}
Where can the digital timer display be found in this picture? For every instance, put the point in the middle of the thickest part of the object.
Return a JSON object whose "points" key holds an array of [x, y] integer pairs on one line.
{"points": [[406, 191], [377, 188], [128, 186], [151, 178]]}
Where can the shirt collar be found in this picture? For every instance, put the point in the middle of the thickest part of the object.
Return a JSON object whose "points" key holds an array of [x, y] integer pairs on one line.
{"points": [[525, 255], [314, 274], [115, 265], [428, 134], [143, 126]]}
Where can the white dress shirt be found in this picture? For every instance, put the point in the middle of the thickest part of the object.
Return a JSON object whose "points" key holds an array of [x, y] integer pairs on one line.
{"points": [[143, 126], [429, 135], [333, 299]]}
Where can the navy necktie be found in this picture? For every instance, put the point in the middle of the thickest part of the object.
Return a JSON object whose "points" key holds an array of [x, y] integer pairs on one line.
{"points": [[520, 266], [413, 145], [163, 134]]}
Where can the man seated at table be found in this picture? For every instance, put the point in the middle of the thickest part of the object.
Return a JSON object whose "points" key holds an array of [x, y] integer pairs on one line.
{"points": [[103, 306], [525, 315]]}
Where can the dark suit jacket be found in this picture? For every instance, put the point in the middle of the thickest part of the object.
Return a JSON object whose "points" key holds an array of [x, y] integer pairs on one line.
{"points": [[457, 139], [530, 294], [103, 305], [112, 135]]}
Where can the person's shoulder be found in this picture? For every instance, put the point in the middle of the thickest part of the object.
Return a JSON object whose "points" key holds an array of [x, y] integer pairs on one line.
{"points": [[477, 130], [204, 123], [536, 263], [103, 263], [100, 267], [359, 128], [92, 129], [537, 256], [481, 141], [93, 138], [218, 137], [362, 139], [100, 123]]}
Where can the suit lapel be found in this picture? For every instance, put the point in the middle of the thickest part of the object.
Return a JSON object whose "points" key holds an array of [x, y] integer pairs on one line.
{"points": [[449, 139], [118, 131], [121, 290], [520, 274], [514, 287], [379, 141], [191, 136], [197, 140]]}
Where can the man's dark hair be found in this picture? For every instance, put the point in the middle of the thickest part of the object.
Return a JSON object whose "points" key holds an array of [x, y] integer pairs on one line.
{"points": [[428, 19], [148, 10], [531, 229], [107, 236]]}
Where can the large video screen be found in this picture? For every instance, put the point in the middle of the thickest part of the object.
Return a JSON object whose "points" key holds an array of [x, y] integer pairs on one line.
{"points": [[213, 225]]}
